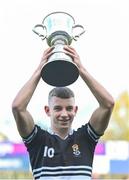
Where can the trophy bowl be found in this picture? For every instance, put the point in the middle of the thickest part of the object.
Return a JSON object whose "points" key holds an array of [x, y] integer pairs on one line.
{"points": [[57, 28], [64, 73]]}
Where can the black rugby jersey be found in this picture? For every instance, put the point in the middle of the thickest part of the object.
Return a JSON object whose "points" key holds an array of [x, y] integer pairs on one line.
{"points": [[54, 158]]}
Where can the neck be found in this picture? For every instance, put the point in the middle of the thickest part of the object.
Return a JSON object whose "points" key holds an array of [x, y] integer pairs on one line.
{"points": [[62, 133]]}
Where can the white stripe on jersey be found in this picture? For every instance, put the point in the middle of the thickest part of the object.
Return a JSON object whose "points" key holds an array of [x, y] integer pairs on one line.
{"points": [[66, 178], [92, 134], [69, 171], [62, 167], [31, 136]]}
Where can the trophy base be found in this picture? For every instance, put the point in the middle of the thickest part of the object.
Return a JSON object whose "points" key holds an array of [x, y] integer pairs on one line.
{"points": [[60, 73]]}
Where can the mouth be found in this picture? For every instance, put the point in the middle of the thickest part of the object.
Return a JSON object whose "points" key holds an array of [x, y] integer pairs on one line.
{"points": [[64, 120]]}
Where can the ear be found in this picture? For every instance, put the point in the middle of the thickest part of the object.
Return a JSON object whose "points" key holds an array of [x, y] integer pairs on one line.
{"points": [[47, 110], [76, 109]]}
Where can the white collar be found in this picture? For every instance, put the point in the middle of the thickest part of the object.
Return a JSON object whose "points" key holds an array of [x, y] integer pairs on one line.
{"points": [[53, 133]]}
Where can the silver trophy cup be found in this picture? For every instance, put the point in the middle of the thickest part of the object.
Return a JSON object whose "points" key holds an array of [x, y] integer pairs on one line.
{"points": [[57, 28]]}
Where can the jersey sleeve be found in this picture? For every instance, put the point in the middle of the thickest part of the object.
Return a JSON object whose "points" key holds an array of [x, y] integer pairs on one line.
{"points": [[88, 133], [34, 138], [91, 132]]}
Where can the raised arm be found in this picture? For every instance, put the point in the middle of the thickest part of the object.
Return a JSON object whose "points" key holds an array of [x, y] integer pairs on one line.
{"points": [[23, 118], [100, 117]]}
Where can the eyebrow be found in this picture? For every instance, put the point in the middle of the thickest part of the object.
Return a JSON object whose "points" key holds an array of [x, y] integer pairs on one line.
{"points": [[58, 106]]}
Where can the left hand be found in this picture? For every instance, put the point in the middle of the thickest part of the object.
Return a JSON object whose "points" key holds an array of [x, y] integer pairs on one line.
{"points": [[75, 57]]}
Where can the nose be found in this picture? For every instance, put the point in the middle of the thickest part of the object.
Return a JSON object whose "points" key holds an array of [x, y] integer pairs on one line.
{"points": [[64, 113]]}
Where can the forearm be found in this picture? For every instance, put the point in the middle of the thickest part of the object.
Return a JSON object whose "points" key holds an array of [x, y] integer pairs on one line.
{"points": [[101, 94], [25, 94], [100, 117]]}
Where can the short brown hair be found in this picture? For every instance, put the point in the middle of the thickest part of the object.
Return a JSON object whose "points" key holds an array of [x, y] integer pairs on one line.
{"points": [[61, 92]]}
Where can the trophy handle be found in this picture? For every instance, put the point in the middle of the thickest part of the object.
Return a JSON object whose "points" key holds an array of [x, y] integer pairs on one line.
{"points": [[78, 35], [42, 36]]}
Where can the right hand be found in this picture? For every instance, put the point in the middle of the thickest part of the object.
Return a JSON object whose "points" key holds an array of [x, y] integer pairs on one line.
{"points": [[46, 54]]}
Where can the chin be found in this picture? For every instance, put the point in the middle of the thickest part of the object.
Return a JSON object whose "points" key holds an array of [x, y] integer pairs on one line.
{"points": [[65, 126]]}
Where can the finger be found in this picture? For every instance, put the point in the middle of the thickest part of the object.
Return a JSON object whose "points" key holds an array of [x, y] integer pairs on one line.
{"points": [[70, 49], [47, 53], [48, 50], [73, 56]]}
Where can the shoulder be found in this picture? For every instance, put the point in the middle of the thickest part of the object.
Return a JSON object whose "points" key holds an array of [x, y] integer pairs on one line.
{"points": [[87, 131], [35, 136]]}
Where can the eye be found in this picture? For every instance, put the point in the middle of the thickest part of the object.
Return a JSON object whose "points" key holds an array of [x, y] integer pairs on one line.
{"points": [[69, 108], [57, 108]]}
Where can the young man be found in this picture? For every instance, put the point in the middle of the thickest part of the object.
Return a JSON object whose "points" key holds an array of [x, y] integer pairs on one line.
{"points": [[62, 153]]}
